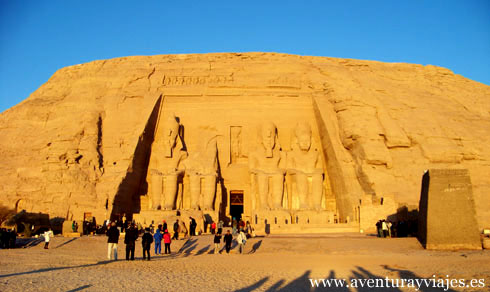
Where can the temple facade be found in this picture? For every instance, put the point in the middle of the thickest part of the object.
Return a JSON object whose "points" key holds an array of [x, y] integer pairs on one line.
{"points": [[254, 158]]}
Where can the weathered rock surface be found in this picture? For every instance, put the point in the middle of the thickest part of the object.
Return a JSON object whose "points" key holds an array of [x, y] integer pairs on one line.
{"points": [[84, 136]]}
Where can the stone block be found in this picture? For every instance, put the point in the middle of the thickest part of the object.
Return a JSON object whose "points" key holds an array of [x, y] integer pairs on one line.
{"points": [[447, 217]]}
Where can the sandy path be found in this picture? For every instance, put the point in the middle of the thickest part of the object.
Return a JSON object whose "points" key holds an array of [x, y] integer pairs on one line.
{"points": [[271, 264]]}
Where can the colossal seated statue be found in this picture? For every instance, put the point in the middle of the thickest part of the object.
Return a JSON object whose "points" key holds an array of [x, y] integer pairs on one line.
{"points": [[267, 167], [203, 165], [305, 165], [166, 168]]}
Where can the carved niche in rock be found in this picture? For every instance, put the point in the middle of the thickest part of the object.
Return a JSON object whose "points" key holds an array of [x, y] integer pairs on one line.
{"points": [[202, 169], [266, 166], [305, 166], [167, 167]]}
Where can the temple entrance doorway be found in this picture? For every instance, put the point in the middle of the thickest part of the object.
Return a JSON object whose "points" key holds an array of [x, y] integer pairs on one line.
{"points": [[236, 204]]}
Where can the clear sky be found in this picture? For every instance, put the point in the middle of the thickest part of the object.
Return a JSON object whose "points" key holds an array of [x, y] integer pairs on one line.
{"points": [[39, 37]]}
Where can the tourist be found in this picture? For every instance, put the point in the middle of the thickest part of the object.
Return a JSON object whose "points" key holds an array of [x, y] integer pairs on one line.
{"points": [[125, 225], [248, 229], [146, 242], [130, 241], [167, 240], [12, 238], [152, 228], [220, 227], [47, 238], [74, 226], [158, 241], [213, 227], [2, 238], [394, 229], [205, 225], [217, 241], [228, 239], [192, 226], [379, 231], [176, 230], [241, 224], [384, 226], [113, 239], [242, 240], [388, 223], [164, 226], [119, 225], [234, 226]]}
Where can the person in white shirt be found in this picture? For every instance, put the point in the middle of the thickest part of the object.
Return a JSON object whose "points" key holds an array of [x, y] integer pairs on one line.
{"points": [[241, 239], [384, 226], [47, 238]]}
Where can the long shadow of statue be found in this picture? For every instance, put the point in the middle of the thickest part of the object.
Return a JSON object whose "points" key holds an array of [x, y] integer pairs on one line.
{"points": [[253, 286], [364, 280], [331, 283], [426, 286]]}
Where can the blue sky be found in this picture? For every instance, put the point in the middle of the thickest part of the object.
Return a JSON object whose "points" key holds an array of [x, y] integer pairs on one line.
{"points": [[39, 37]]}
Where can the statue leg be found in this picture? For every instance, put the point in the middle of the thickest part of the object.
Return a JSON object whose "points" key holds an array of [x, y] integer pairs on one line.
{"points": [[156, 191], [302, 187], [195, 190], [170, 191], [209, 191], [277, 191], [263, 188], [317, 191]]}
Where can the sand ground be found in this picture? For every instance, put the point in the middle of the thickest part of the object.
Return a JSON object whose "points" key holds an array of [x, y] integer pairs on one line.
{"points": [[274, 263]]}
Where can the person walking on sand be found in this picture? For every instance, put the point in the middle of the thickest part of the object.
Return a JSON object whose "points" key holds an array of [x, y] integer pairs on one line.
{"points": [[242, 240], [217, 241], [220, 227], [47, 237], [228, 239], [130, 241], [113, 239], [158, 241], [176, 230], [146, 242], [167, 240]]}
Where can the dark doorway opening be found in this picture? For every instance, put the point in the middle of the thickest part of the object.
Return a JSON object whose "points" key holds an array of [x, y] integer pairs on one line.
{"points": [[236, 204]]}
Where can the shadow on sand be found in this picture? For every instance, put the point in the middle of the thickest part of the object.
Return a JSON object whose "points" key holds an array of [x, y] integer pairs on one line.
{"points": [[360, 280], [54, 269], [80, 288]]}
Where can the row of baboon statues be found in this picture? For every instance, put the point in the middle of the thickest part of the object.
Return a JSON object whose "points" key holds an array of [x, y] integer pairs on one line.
{"points": [[268, 165]]}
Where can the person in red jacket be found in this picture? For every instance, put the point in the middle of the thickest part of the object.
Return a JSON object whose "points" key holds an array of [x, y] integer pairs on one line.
{"points": [[167, 240]]}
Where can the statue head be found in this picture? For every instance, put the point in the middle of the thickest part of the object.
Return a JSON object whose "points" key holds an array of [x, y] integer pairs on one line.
{"points": [[303, 136], [170, 133], [268, 135]]}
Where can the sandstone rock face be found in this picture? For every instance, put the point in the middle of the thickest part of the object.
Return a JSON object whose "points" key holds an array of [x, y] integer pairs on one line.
{"points": [[82, 143]]}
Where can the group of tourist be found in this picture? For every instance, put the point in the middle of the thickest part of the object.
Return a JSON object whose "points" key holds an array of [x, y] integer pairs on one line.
{"points": [[400, 228], [158, 236], [155, 236], [228, 239], [7, 238], [130, 238]]}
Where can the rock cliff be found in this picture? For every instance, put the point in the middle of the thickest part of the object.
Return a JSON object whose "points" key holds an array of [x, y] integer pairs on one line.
{"points": [[84, 137]]}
